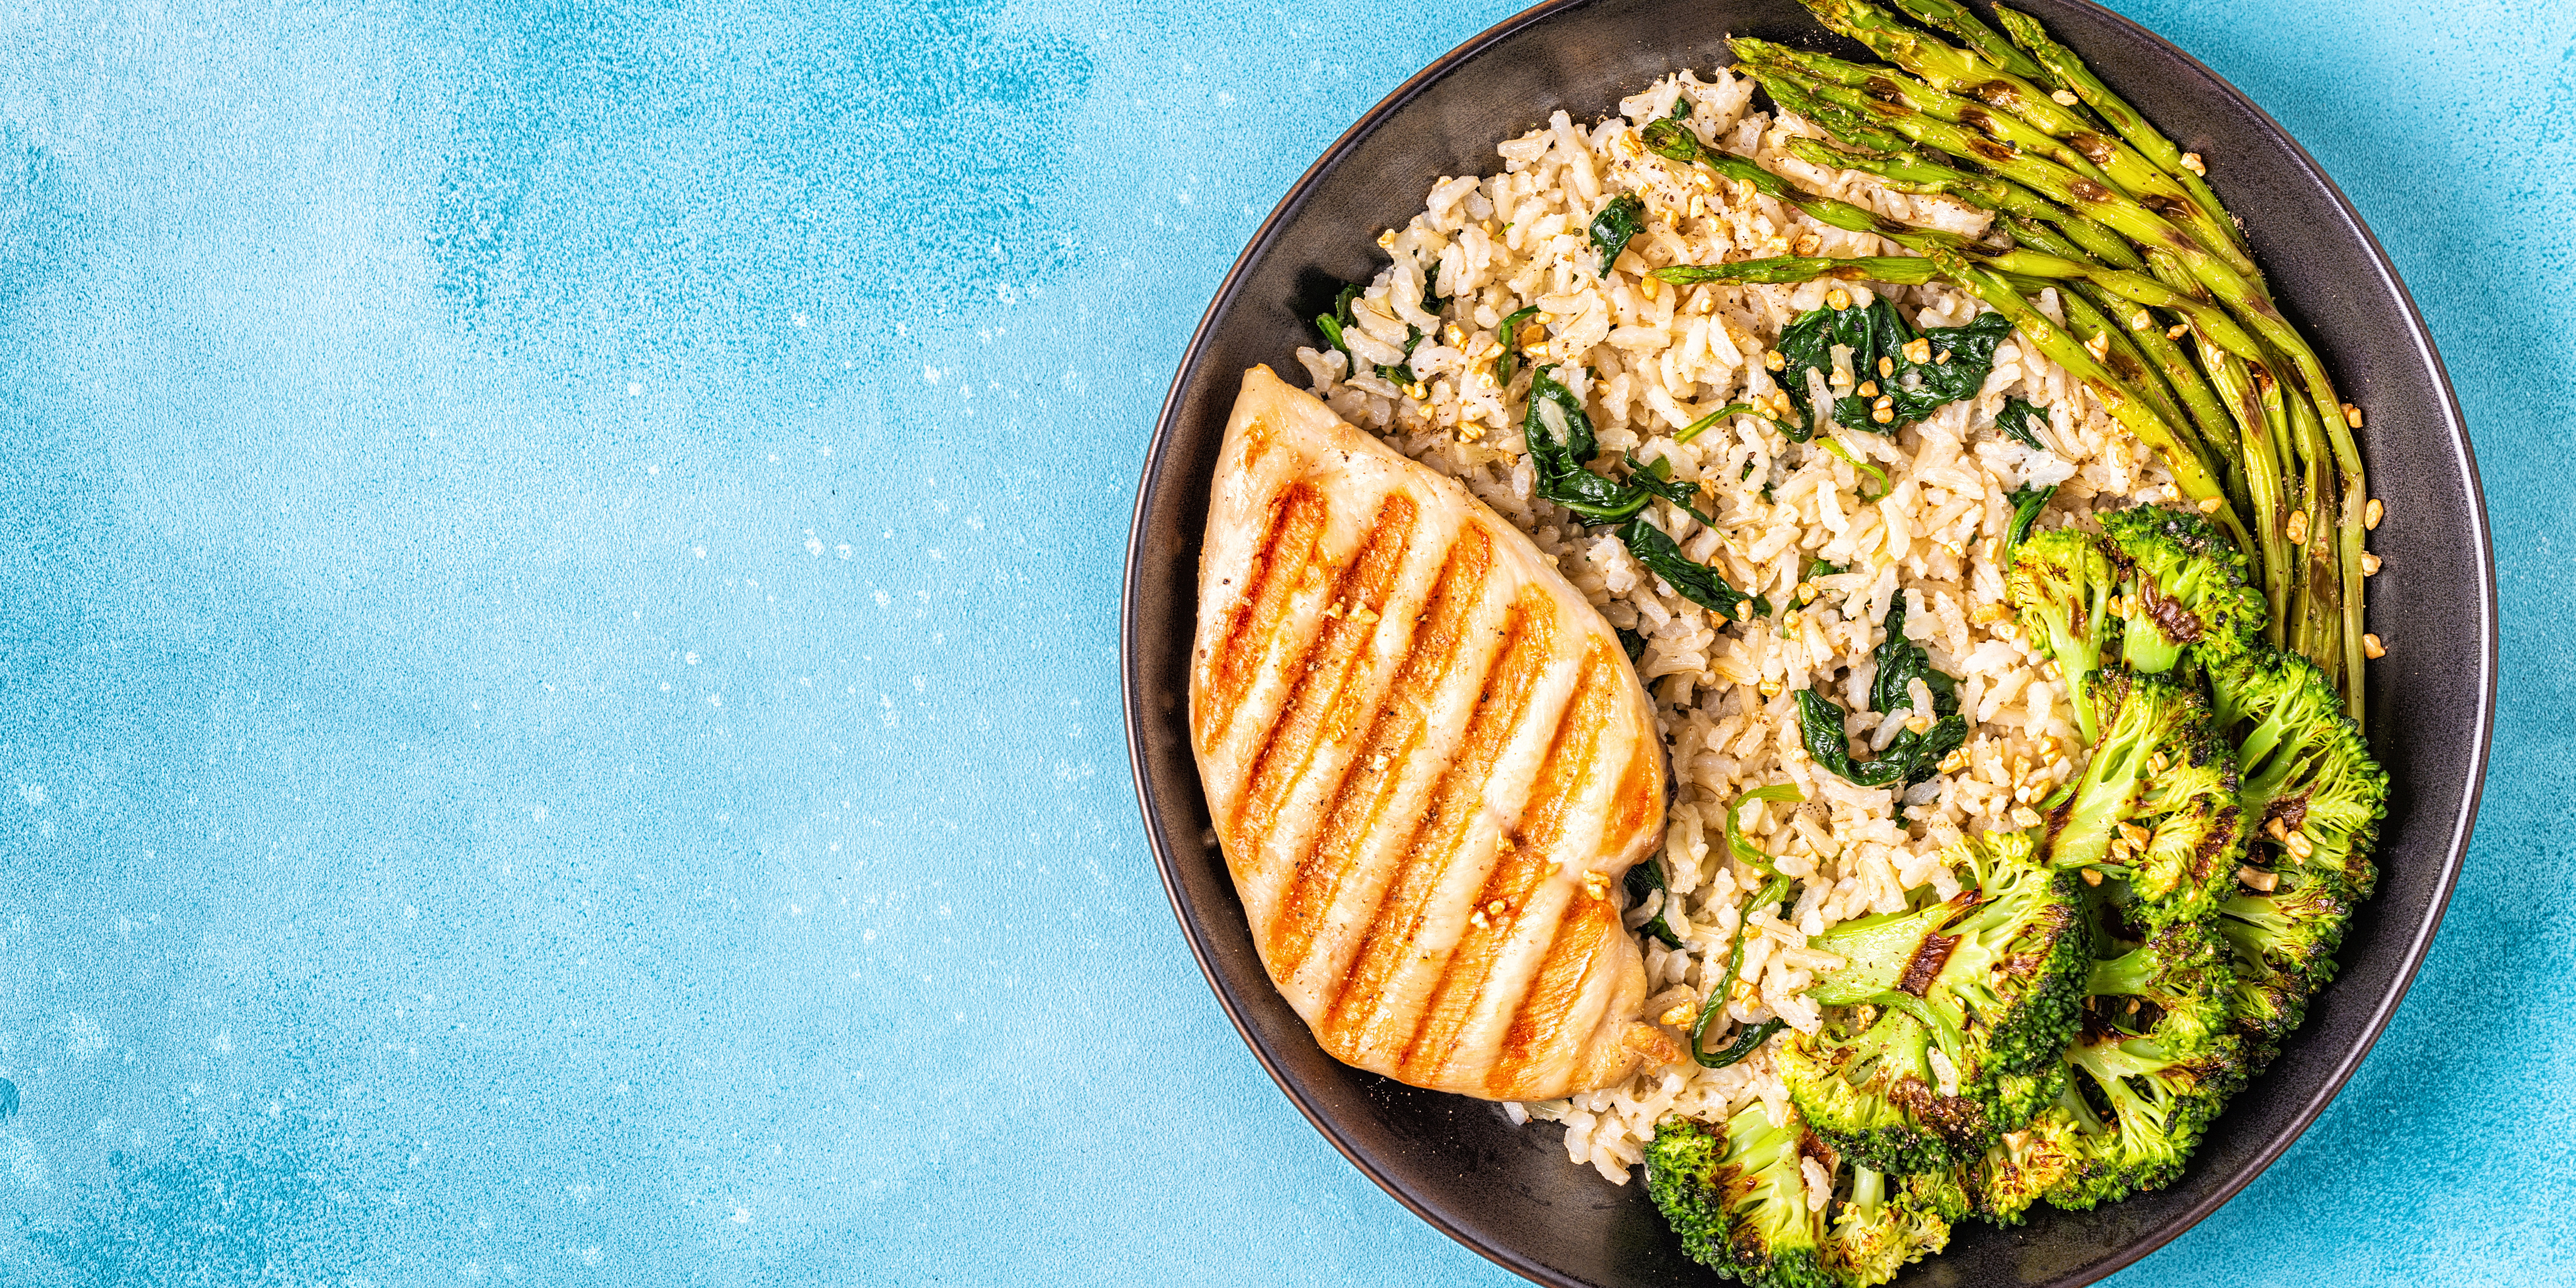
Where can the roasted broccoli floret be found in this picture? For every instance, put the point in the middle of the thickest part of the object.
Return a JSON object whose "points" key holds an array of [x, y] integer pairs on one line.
{"points": [[1736, 1193], [2313, 797], [2182, 584], [2026, 1164], [2147, 1103], [1880, 1226], [2178, 983], [2061, 583], [2266, 1004], [2157, 803], [1946, 1020]]}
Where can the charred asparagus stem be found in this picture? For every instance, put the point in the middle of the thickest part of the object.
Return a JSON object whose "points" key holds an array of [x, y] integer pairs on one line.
{"points": [[2066, 71], [1947, 67], [1674, 141]]}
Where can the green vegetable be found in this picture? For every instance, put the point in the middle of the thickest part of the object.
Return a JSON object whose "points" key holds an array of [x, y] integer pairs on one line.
{"points": [[2182, 583], [1645, 879], [1744, 1045], [1736, 1193], [1338, 320], [2179, 980], [1910, 757], [1772, 892], [1989, 979], [2304, 764], [2061, 584], [1619, 221], [1656, 478], [2017, 420], [1560, 441], [1957, 361], [2027, 502], [1875, 1233], [1697, 583], [1835, 446], [2157, 1097], [1508, 363], [1631, 643], [1700, 426], [2159, 770]]}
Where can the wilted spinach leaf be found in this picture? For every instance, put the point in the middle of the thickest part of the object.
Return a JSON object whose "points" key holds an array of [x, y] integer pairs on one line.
{"points": [[1956, 363], [1333, 323], [2017, 421], [2027, 503], [1911, 757], [1622, 219], [1644, 879], [1697, 583]]}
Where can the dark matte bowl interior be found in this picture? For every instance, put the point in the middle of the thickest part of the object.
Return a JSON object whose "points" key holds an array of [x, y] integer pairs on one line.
{"points": [[1509, 1193]]}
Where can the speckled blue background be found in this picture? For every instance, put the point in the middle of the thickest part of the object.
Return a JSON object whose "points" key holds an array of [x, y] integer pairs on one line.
{"points": [[557, 710]]}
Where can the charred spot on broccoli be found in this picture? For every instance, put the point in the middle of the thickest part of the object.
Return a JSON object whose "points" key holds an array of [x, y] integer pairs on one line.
{"points": [[1879, 1227], [2312, 794], [2003, 1183], [2183, 584], [2061, 585], [2176, 984], [1736, 1193], [2156, 804], [1945, 1020]]}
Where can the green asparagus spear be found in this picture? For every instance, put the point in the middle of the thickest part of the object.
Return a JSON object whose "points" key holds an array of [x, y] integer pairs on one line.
{"points": [[1957, 71], [2068, 72]]}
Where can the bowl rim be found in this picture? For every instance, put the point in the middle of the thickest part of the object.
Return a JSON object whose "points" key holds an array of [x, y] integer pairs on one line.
{"points": [[1132, 685]]}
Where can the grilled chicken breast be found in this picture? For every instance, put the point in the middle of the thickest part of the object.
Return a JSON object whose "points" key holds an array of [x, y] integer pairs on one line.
{"points": [[1428, 761]]}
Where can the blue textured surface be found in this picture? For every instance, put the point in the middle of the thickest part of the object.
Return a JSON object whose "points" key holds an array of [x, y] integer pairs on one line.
{"points": [[557, 708]]}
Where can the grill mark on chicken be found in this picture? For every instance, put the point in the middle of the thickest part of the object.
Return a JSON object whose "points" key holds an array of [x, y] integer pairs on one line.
{"points": [[1397, 733], [1326, 669], [1278, 565], [1396, 934], [1535, 849], [1580, 938]]}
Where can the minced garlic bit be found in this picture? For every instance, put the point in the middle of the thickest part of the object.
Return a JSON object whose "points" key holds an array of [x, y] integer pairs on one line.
{"points": [[2370, 564], [2276, 829], [1869, 388], [2371, 648], [2300, 846], [2025, 816], [1839, 299], [1919, 725], [1678, 1016], [1989, 614], [1596, 883], [2352, 415], [2211, 505], [1886, 366], [1807, 244], [1386, 240], [2259, 879], [1772, 361], [1918, 350], [2099, 346], [2298, 527], [2191, 161], [1649, 287], [2140, 321], [2372, 513], [2064, 98], [2092, 876], [2177, 331]]}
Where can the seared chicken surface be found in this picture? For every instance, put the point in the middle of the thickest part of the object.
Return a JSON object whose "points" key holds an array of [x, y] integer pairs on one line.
{"points": [[1428, 762]]}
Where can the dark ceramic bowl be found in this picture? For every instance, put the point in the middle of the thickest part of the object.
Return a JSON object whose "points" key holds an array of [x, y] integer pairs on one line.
{"points": [[1509, 1192]]}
